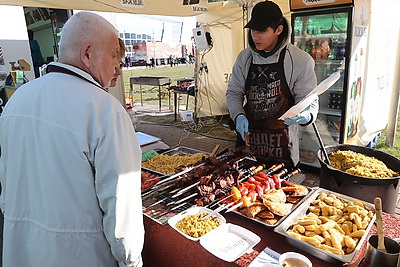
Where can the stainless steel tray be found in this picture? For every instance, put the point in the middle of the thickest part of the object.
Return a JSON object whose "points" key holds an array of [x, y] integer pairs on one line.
{"points": [[302, 211], [157, 202], [310, 191], [155, 172], [160, 175], [176, 151], [183, 149]]}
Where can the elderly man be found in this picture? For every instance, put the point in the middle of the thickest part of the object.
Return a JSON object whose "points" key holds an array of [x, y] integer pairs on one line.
{"points": [[70, 163]]}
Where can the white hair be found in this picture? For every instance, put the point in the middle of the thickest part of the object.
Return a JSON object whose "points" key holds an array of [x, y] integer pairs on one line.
{"points": [[83, 27]]}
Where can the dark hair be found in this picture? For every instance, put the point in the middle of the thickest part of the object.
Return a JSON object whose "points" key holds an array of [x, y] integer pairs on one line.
{"points": [[30, 34]]}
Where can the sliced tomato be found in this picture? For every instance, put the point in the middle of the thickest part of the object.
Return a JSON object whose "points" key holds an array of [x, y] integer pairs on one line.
{"points": [[266, 186], [259, 190], [275, 178], [278, 185], [271, 183], [259, 178], [253, 196], [244, 191], [263, 175], [253, 181], [251, 186], [239, 186]]}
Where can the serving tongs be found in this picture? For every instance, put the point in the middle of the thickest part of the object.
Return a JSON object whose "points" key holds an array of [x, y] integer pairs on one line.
{"points": [[321, 144]]}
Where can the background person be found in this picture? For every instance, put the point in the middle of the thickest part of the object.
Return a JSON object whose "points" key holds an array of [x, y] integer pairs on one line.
{"points": [[36, 54], [118, 70], [71, 183], [270, 76]]}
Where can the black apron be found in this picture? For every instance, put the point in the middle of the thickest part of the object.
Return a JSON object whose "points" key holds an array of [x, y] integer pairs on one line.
{"points": [[268, 97]]}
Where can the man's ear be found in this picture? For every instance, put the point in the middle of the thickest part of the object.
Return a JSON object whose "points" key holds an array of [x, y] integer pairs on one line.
{"points": [[86, 54], [279, 30]]}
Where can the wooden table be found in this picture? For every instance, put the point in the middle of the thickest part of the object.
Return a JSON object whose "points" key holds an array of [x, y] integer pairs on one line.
{"points": [[166, 247], [147, 80]]}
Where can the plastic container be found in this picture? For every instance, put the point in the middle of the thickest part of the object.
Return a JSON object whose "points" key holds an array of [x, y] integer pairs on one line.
{"points": [[131, 114], [294, 257], [186, 115]]}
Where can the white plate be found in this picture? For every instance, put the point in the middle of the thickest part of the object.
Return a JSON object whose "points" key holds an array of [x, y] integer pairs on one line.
{"points": [[229, 241], [195, 210]]}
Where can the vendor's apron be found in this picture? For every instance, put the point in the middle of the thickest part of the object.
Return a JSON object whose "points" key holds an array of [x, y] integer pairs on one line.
{"points": [[268, 97]]}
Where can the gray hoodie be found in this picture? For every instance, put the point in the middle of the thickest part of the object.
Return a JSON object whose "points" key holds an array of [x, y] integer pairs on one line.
{"points": [[299, 72]]}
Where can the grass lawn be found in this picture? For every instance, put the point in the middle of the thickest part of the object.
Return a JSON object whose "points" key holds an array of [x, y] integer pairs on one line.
{"points": [[150, 95], [395, 150]]}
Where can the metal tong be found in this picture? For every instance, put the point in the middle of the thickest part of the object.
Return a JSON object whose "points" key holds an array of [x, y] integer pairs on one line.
{"points": [[321, 144], [220, 208]]}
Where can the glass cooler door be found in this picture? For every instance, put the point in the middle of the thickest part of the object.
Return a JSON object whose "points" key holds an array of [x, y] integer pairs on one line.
{"points": [[324, 35]]}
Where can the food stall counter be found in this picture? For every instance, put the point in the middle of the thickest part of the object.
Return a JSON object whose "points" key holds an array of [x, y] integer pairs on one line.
{"points": [[165, 246]]}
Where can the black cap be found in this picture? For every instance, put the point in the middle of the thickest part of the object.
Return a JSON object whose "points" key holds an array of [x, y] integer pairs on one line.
{"points": [[263, 15]]}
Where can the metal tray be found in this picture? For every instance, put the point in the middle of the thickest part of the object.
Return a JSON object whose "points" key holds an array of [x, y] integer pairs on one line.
{"points": [[161, 176], [183, 149], [161, 194], [302, 211], [310, 191], [176, 151]]}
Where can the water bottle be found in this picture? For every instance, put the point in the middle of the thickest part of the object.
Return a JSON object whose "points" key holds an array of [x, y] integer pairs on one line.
{"points": [[131, 114]]}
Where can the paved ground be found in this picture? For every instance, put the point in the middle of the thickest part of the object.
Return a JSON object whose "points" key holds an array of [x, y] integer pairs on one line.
{"points": [[174, 135]]}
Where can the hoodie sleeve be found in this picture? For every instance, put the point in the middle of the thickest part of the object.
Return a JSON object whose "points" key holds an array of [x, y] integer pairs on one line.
{"points": [[235, 93], [301, 77], [117, 168]]}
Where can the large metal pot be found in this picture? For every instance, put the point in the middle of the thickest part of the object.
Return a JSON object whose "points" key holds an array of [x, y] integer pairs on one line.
{"points": [[361, 187]]}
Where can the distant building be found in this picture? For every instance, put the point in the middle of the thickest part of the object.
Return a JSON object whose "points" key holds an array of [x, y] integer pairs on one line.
{"points": [[131, 40], [140, 48]]}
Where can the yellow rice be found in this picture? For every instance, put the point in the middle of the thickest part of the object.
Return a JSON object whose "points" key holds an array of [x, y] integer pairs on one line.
{"points": [[358, 164]]}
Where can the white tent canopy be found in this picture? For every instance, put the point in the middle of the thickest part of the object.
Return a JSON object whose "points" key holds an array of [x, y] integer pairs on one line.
{"points": [[149, 7], [224, 21]]}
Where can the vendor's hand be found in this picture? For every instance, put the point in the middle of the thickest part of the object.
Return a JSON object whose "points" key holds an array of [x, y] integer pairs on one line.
{"points": [[303, 117], [242, 125]]}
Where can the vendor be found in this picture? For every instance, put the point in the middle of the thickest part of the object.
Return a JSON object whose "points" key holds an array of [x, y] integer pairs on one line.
{"points": [[270, 76]]}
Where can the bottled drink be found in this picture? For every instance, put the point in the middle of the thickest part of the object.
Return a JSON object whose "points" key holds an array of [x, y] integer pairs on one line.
{"points": [[131, 114], [313, 50], [308, 47], [342, 50]]}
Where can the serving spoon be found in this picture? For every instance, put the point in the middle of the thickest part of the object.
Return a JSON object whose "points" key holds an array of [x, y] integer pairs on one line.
{"points": [[379, 225]]}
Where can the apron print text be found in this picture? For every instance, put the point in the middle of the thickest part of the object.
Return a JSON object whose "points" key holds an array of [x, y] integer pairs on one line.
{"points": [[268, 144]]}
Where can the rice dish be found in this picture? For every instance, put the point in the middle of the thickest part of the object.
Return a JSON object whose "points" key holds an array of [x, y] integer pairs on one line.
{"points": [[358, 164]]}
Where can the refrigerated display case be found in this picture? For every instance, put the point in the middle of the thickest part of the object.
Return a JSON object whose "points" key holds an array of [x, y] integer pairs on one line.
{"points": [[328, 35]]}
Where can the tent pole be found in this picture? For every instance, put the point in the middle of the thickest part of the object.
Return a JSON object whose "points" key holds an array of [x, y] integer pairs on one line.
{"points": [[196, 82], [394, 103]]}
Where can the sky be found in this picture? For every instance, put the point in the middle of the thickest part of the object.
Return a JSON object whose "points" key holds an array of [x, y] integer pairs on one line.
{"points": [[152, 25]]}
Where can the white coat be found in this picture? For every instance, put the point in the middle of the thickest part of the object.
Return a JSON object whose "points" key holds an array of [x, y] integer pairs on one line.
{"points": [[70, 176]]}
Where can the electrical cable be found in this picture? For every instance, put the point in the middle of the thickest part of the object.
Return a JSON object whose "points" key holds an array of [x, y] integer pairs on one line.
{"points": [[188, 131]]}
